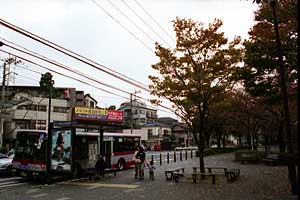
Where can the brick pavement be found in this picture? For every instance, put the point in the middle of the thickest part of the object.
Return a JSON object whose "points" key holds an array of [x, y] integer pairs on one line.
{"points": [[256, 181]]}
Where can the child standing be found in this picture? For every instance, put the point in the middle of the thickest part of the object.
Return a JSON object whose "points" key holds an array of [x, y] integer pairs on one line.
{"points": [[151, 170]]}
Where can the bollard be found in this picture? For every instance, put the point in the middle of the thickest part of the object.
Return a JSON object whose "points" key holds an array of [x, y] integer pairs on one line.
{"points": [[160, 158], [152, 158], [174, 156], [180, 155], [191, 154], [186, 154], [168, 157]]}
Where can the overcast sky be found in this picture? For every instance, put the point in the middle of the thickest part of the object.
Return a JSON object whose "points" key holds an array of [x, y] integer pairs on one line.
{"points": [[103, 36]]}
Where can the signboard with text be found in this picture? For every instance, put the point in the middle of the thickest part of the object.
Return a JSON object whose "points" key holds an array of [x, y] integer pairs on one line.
{"points": [[96, 114]]}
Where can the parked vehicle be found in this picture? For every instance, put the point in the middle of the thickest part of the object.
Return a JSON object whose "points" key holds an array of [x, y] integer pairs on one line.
{"points": [[6, 162]]}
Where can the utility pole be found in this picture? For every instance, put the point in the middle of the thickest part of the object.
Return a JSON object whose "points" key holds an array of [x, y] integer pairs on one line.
{"points": [[5, 80], [131, 117]]}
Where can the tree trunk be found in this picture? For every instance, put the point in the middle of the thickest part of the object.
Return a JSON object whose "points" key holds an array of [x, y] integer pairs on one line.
{"points": [[281, 142], [285, 97]]}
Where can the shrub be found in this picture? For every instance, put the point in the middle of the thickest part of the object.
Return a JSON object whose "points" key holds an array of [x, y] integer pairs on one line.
{"points": [[257, 154], [214, 151]]}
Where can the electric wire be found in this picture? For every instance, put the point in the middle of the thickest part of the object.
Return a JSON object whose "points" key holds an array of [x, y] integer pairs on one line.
{"points": [[74, 55], [146, 23], [59, 73], [124, 27], [66, 68], [120, 11], [22, 58], [154, 20], [44, 58]]}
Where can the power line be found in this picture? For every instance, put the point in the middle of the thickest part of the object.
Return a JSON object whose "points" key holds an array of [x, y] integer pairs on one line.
{"points": [[66, 68], [44, 58], [75, 56], [29, 61], [58, 64], [154, 20], [147, 24], [103, 9], [120, 11]]}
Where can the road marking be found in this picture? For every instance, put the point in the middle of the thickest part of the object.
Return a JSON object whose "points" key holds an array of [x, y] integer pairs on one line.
{"points": [[102, 185], [39, 195], [3, 186], [63, 198], [92, 187], [32, 190], [8, 182], [10, 179]]}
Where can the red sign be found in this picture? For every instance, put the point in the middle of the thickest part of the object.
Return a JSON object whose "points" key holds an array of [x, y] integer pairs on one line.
{"points": [[96, 114]]}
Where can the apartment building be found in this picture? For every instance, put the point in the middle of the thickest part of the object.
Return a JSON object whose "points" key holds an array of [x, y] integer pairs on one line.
{"points": [[27, 108], [141, 113]]}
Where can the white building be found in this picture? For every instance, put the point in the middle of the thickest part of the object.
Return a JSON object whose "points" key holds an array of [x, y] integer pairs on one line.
{"points": [[141, 113]]}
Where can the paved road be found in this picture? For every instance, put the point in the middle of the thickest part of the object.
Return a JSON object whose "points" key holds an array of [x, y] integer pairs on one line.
{"points": [[257, 181], [12, 181]]}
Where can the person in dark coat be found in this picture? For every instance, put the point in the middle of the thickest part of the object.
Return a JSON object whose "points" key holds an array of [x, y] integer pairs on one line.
{"points": [[141, 164], [100, 167]]}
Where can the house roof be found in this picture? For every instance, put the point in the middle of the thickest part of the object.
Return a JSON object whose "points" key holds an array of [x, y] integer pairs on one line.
{"points": [[88, 95]]}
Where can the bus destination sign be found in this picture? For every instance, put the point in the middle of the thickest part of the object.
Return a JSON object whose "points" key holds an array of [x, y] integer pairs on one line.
{"points": [[96, 114]]}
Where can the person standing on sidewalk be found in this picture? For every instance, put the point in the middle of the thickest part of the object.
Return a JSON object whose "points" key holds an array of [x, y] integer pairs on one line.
{"points": [[151, 169], [141, 164], [136, 160]]}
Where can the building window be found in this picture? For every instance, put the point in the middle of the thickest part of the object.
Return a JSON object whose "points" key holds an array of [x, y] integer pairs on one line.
{"points": [[41, 125], [92, 104], [150, 133], [22, 107], [21, 124], [166, 133], [32, 107], [42, 108], [143, 120], [60, 109]]}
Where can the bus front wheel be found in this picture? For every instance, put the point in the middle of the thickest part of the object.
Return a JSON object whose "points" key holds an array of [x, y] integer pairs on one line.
{"points": [[121, 164]]}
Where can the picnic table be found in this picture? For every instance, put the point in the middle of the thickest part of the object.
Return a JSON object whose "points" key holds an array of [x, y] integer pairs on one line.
{"points": [[231, 174], [271, 159], [248, 157], [169, 173], [210, 169]]}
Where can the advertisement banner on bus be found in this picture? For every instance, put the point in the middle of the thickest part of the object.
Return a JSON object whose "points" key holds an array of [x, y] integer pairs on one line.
{"points": [[96, 114], [61, 150]]}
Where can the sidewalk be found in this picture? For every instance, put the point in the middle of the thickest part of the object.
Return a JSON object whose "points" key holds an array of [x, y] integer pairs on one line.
{"points": [[256, 181]]}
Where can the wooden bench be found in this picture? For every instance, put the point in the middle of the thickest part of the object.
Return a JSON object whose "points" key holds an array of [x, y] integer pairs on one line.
{"points": [[271, 159], [247, 157], [232, 174], [170, 173], [92, 172]]}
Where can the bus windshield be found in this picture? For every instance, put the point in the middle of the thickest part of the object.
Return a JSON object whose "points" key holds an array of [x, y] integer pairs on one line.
{"points": [[30, 146]]}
